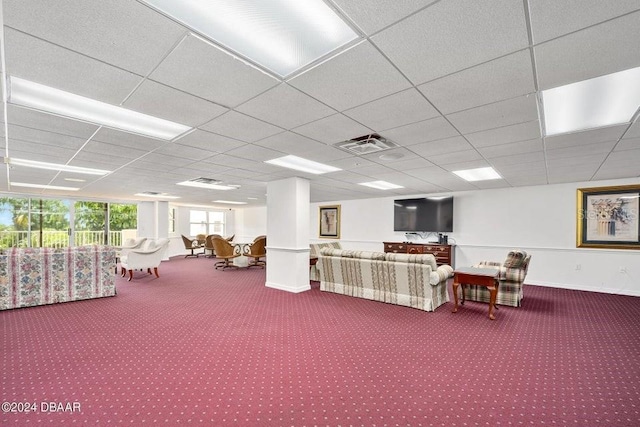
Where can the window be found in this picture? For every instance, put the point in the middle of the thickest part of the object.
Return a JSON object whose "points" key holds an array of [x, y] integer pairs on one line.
{"points": [[206, 222]]}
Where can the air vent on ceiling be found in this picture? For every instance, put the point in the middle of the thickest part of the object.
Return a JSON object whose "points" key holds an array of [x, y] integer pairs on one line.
{"points": [[366, 144], [151, 193], [206, 180]]}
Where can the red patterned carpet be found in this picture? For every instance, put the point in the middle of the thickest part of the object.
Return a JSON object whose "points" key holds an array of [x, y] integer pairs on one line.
{"points": [[217, 348]]}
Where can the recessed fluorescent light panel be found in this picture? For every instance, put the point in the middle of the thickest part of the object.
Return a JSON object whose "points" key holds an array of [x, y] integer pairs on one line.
{"points": [[156, 195], [602, 101], [45, 187], [304, 165], [207, 186], [54, 101], [229, 202], [54, 166], [479, 174], [381, 185], [280, 35]]}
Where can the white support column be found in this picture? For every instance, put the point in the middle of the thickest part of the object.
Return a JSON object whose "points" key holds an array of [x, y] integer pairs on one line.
{"points": [[288, 235]]}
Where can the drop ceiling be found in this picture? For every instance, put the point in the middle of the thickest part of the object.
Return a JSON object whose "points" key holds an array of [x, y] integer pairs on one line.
{"points": [[455, 84]]}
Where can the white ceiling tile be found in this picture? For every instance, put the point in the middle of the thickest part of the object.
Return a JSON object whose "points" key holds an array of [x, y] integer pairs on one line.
{"points": [[424, 131], [359, 75], [503, 113], [518, 159], [442, 146], [209, 141], [242, 127], [608, 46], [474, 31], [20, 135], [634, 130], [125, 34], [552, 18], [590, 160], [186, 151], [580, 150], [456, 157], [33, 59], [373, 15], [167, 103], [628, 144], [48, 122], [408, 164], [291, 143], [522, 147], [333, 129], [612, 133], [506, 134], [20, 149], [500, 79], [462, 165], [256, 153], [286, 107], [115, 137], [203, 70], [624, 158], [519, 169], [395, 110]]}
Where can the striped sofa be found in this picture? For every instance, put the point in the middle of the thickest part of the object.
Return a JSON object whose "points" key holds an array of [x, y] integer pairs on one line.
{"points": [[314, 251], [512, 273], [38, 276], [409, 280]]}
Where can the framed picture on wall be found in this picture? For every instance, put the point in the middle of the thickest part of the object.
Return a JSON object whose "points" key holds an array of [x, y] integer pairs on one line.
{"points": [[329, 219], [609, 217]]}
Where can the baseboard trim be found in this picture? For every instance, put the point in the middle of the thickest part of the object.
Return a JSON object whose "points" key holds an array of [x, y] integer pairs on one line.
{"points": [[574, 287], [281, 287]]}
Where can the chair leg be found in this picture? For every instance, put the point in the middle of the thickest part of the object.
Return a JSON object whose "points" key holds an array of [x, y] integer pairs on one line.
{"points": [[149, 270], [155, 270], [130, 275]]}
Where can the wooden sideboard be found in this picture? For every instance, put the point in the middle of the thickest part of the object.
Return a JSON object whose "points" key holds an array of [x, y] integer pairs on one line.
{"points": [[445, 254]]}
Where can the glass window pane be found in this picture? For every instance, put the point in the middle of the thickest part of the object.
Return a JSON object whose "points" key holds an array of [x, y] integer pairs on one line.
{"points": [[49, 223], [14, 222], [196, 229], [198, 216], [123, 222], [90, 223]]}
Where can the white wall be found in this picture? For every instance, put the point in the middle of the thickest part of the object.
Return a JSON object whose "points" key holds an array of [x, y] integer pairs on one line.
{"points": [[488, 223], [250, 223]]}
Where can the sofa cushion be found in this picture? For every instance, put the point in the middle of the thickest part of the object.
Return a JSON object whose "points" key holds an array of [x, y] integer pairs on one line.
{"points": [[315, 248], [413, 258], [347, 253]]}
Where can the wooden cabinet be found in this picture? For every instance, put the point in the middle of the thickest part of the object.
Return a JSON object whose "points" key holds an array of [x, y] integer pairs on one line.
{"points": [[444, 254]]}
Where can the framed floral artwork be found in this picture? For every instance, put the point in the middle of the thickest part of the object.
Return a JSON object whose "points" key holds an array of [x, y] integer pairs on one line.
{"points": [[608, 217], [329, 222]]}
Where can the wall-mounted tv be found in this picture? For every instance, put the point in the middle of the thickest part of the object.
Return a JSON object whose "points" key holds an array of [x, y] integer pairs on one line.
{"points": [[427, 214]]}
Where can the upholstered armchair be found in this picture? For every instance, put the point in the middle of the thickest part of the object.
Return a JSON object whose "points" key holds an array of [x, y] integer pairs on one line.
{"points": [[146, 258], [512, 274], [191, 245], [224, 251], [257, 250], [129, 245]]}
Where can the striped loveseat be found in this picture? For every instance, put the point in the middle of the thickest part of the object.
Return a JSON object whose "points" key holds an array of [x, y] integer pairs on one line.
{"points": [[37, 276], [410, 280], [314, 251]]}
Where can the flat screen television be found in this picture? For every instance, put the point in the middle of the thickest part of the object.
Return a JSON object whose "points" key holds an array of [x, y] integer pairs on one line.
{"points": [[427, 214]]}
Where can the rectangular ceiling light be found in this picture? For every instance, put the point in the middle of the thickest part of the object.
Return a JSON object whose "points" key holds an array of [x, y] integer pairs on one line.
{"points": [[208, 186], [381, 185], [479, 174], [54, 166], [229, 202], [280, 35], [45, 187], [54, 101], [157, 195], [304, 165], [598, 102]]}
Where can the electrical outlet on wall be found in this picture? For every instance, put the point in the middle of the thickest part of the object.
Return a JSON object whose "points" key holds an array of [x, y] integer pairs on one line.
{"points": [[623, 270], [578, 267]]}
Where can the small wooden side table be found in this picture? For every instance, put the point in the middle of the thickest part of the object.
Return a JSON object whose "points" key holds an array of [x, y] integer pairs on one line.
{"points": [[480, 277]]}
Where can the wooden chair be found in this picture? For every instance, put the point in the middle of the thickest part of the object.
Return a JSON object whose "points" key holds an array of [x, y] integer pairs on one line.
{"points": [[256, 251], [224, 251], [191, 245], [230, 238], [201, 238]]}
